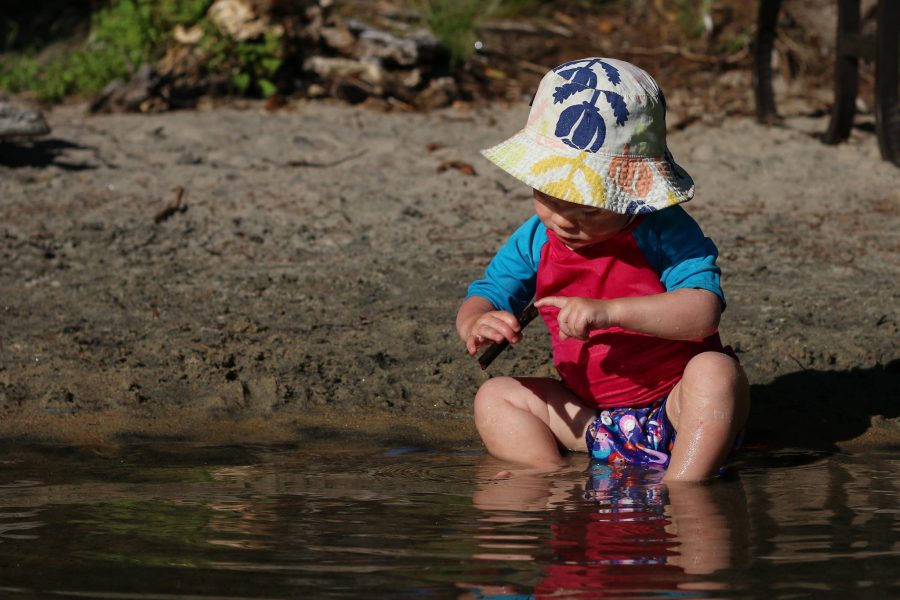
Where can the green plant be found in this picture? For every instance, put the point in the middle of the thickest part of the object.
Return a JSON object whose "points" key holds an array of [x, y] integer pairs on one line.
{"points": [[691, 15], [122, 37], [18, 72], [736, 41], [251, 64], [514, 8], [169, 13], [454, 23]]}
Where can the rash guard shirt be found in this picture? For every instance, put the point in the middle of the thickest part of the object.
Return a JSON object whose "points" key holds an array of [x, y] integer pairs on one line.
{"points": [[656, 253]]}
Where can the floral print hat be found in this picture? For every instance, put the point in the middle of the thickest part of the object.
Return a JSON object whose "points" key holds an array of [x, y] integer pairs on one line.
{"points": [[596, 135]]}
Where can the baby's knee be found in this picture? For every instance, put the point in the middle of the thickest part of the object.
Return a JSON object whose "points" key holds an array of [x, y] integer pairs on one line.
{"points": [[493, 395], [713, 395], [716, 369]]}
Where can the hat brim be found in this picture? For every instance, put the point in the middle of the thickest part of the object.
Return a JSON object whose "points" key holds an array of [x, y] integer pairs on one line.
{"points": [[625, 184]]}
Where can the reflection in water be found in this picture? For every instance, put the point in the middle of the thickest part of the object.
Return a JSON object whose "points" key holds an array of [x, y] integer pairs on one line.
{"points": [[622, 531], [185, 521]]}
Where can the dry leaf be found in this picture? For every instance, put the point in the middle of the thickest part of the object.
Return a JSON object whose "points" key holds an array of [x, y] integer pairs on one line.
{"points": [[459, 165]]}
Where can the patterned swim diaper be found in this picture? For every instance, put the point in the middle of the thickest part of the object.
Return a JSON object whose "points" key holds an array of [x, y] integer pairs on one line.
{"points": [[632, 436]]}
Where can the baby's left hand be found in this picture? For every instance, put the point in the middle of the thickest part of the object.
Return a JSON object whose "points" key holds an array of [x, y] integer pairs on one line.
{"points": [[578, 316]]}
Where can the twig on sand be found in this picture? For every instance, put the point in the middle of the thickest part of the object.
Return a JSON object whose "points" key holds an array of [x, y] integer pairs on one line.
{"points": [[175, 206], [799, 364], [323, 164]]}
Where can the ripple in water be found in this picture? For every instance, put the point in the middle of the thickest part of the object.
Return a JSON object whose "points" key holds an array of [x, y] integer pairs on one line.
{"points": [[180, 521]]}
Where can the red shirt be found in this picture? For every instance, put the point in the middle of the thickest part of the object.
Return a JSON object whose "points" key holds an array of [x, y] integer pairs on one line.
{"points": [[661, 251], [614, 367]]}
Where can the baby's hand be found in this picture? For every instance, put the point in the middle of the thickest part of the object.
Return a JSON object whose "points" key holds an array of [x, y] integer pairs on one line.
{"points": [[493, 326], [578, 316]]}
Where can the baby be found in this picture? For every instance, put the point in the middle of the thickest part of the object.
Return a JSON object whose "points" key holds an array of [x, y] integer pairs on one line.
{"points": [[625, 281]]}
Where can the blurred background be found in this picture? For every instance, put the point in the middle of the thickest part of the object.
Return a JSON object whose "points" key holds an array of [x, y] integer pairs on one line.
{"points": [[149, 56]]}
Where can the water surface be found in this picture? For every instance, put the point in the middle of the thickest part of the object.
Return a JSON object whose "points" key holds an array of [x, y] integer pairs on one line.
{"points": [[160, 521]]}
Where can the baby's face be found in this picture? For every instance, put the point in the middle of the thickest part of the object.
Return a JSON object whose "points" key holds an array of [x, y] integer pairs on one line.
{"points": [[577, 226]]}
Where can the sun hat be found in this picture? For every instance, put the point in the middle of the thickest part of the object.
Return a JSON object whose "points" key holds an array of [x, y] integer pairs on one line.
{"points": [[596, 135]]}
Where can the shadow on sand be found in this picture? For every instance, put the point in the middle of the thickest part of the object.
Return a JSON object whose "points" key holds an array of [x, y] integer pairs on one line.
{"points": [[41, 153], [817, 410]]}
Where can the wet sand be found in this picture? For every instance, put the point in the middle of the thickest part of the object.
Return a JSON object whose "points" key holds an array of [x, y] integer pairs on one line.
{"points": [[307, 284]]}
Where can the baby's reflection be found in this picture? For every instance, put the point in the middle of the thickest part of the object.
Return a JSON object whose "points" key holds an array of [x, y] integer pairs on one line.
{"points": [[620, 530]]}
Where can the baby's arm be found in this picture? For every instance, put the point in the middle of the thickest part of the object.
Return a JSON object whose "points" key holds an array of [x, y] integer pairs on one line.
{"points": [[488, 312], [682, 314], [479, 323]]}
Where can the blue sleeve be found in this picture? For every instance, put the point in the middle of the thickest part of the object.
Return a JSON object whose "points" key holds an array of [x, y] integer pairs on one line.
{"points": [[510, 278], [677, 249]]}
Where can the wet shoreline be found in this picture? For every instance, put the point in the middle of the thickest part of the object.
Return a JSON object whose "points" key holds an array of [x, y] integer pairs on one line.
{"points": [[313, 268]]}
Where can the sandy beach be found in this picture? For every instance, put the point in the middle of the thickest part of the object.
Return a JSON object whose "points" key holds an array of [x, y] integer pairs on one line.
{"points": [[307, 281]]}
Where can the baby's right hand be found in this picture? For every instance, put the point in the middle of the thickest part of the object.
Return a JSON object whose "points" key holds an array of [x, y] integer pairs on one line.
{"points": [[493, 326]]}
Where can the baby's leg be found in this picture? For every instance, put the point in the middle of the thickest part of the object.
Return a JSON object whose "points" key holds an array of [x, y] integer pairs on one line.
{"points": [[708, 408], [526, 420]]}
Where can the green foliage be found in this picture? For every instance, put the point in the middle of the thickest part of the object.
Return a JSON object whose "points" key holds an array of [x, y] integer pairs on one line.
{"points": [[180, 12], [690, 17], [515, 8], [737, 41], [131, 32], [454, 22], [122, 37], [18, 73], [251, 64]]}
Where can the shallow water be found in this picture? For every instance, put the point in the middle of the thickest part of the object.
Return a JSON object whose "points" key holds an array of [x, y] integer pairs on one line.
{"points": [[187, 521]]}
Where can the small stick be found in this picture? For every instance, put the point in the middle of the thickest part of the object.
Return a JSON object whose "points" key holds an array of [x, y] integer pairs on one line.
{"points": [[173, 207], [494, 350], [325, 164]]}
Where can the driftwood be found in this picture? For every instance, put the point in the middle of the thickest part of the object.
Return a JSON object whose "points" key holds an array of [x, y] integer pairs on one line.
{"points": [[133, 95], [17, 121], [374, 64], [321, 54]]}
